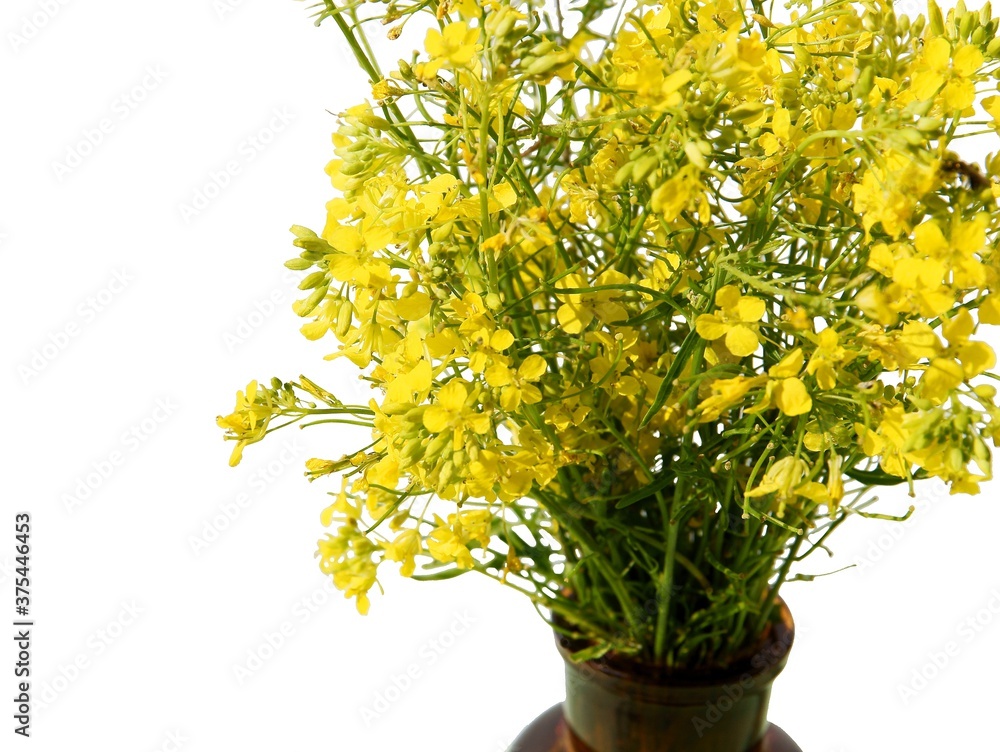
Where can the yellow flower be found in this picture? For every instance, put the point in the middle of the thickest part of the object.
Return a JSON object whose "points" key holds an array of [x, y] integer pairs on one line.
{"points": [[725, 394], [958, 253], [888, 193], [735, 321], [349, 558], [248, 421], [453, 47], [414, 306], [780, 135], [936, 68], [580, 309], [516, 386], [963, 360], [887, 441], [449, 541], [411, 386], [683, 191], [785, 389], [827, 356], [786, 479], [450, 412], [404, 549], [343, 508], [992, 107]]}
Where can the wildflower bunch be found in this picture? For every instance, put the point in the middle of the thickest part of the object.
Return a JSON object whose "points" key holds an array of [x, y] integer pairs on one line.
{"points": [[651, 297]]}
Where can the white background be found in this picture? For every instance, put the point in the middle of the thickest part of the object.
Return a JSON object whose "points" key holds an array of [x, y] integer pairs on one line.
{"points": [[194, 669]]}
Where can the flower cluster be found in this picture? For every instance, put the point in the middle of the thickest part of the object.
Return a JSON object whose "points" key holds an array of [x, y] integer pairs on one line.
{"points": [[649, 299]]}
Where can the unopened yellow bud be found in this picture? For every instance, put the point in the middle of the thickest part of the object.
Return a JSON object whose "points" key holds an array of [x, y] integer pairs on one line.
{"points": [[345, 318]]}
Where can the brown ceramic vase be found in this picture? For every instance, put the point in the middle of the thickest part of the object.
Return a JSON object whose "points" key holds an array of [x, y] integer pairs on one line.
{"points": [[619, 706]]}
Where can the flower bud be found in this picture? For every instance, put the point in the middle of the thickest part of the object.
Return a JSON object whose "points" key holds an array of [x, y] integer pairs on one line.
{"points": [[864, 83], [312, 281], [935, 19], [373, 121], [967, 25], [305, 307], [443, 233], [345, 317], [748, 111]]}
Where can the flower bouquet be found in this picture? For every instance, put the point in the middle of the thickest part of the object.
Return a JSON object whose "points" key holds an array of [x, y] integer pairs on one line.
{"points": [[651, 299]]}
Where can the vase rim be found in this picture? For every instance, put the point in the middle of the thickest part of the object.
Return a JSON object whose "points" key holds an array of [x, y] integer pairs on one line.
{"points": [[761, 663]]}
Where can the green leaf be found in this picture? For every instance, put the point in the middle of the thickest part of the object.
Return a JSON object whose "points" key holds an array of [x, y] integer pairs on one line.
{"points": [[686, 348], [644, 493]]}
